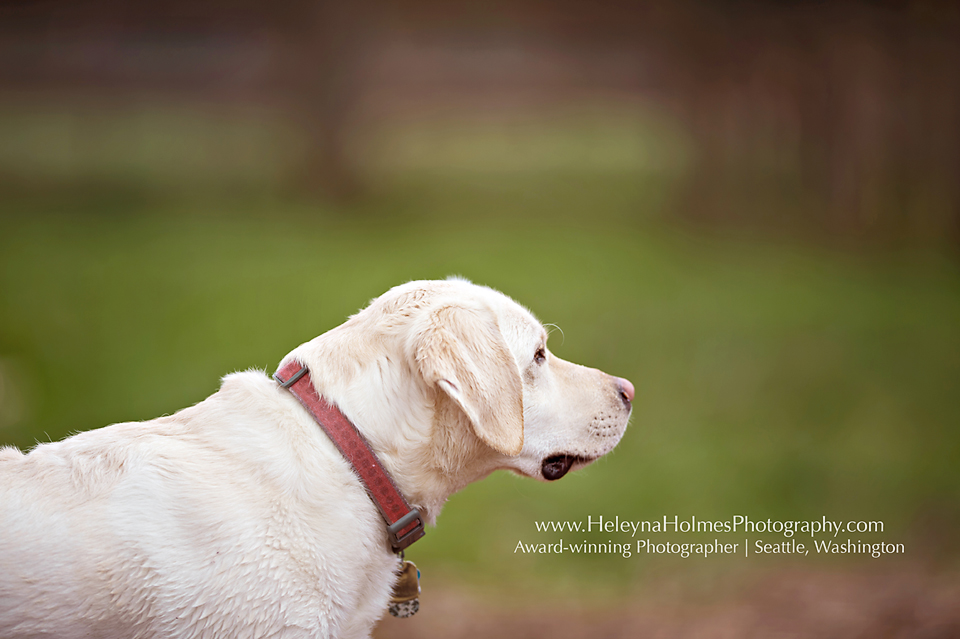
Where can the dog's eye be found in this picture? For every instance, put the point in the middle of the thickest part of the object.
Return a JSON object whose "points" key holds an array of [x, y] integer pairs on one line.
{"points": [[540, 356]]}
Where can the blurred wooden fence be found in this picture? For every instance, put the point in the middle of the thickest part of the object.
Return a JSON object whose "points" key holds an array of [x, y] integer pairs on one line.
{"points": [[825, 118]]}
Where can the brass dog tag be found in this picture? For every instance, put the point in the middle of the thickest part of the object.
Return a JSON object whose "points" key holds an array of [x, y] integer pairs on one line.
{"points": [[406, 593]]}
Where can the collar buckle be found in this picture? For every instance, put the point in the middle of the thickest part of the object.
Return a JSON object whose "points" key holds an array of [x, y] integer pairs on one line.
{"points": [[400, 541]]}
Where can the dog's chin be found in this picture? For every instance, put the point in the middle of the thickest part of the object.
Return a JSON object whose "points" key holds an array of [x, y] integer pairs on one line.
{"points": [[556, 466]]}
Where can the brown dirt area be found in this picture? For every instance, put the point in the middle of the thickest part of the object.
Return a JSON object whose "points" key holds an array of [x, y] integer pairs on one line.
{"points": [[787, 604]]}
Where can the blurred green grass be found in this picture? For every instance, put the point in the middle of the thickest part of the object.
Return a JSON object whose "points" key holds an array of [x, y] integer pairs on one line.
{"points": [[773, 379]]}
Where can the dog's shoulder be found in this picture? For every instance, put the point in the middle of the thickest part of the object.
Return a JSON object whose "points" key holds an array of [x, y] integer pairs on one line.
{"points": [[95, 459]]}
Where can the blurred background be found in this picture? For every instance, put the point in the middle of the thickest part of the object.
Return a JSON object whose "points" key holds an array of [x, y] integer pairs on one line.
{"points": [[749, 209]]}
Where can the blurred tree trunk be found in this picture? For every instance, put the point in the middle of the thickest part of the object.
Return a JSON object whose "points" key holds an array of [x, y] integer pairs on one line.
{"points": [[327, 56]]}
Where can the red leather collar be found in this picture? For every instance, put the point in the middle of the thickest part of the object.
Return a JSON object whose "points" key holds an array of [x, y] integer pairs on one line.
{"points": [[404, 524]]}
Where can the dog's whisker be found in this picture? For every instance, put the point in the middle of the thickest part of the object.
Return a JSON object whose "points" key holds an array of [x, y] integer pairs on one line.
{"points": [[551, 328]]}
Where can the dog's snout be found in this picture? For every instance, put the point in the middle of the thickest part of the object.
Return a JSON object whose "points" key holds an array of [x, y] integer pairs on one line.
{"points": [[626, 391]]}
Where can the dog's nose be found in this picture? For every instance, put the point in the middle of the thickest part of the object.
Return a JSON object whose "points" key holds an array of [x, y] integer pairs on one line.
{"points": [[626, 390]]}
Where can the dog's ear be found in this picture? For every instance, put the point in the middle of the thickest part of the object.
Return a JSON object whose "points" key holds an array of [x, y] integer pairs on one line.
{"points": [[462, 351]]}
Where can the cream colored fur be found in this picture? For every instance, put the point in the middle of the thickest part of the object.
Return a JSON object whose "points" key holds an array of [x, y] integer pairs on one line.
{"points": [[237, 517]]}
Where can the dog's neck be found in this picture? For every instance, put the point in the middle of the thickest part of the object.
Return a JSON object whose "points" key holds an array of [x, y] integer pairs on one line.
{"points": [[444, 462], [425, 441], [441, 457], [404, 523]]}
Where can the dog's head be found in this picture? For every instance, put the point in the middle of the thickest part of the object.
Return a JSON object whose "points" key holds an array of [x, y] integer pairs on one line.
{"points": [[459, 376], [543, 415]]}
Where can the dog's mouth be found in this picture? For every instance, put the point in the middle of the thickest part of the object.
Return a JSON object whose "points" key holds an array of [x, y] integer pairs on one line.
{"points": [[557, 466]]}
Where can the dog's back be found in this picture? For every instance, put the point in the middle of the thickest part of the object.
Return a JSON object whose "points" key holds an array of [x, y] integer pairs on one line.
{"points": [[170, 528]]}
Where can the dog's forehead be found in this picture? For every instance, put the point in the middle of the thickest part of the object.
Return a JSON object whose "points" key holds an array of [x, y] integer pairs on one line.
{"points": [[511, 315], [517, 324]]}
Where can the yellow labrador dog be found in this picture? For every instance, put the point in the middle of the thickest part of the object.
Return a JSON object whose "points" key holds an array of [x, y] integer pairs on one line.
{"points": [[239, 517]]}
